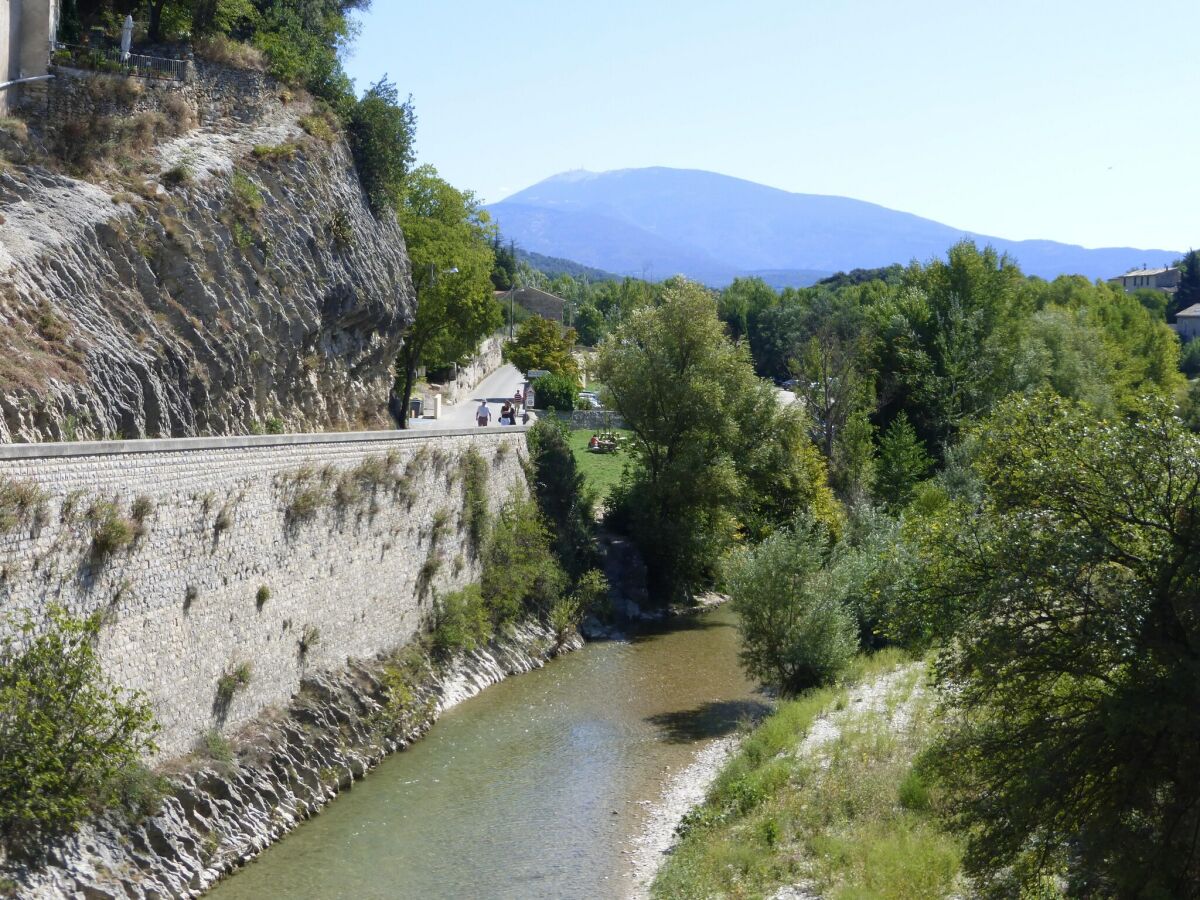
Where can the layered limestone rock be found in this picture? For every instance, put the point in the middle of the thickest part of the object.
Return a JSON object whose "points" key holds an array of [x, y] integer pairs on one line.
{"points": [[219, 816], [257, 292]]}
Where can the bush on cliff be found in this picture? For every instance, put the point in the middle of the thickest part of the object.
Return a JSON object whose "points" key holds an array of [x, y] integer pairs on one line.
{"points": [[70, 738]]}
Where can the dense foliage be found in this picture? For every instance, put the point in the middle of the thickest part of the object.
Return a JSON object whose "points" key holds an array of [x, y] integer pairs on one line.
{"points": [[1067, 597], [69, 736], [448, 238], [541, 344], [557, 392], [715, 455], [1011, 485]]}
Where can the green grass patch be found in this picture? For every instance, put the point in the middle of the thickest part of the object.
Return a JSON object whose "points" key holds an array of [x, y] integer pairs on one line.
{"points": [[601, 471], [853, 822]]}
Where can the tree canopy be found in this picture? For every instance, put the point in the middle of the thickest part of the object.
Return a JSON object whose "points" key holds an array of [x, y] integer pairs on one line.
{"points": [[449, 245]]}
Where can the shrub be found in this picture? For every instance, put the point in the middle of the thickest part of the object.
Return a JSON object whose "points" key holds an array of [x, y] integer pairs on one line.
{"points": [[323, 126], [565, 504], [475, 500], [262, 595], [558, 392], [111, 531], [796, 631], [216, 746], [309, 638], [21, 503], [275, 152], [69, 734], [305, 504], [179, 174], [461, 622], [221, 49], [520, 572], [232, 681], [341, 231]]}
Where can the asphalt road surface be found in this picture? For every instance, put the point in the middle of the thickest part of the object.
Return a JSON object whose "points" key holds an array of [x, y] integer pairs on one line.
{"points": [[497, 387]]}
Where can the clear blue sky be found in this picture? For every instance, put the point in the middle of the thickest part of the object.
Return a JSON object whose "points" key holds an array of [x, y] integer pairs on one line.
{"points": [[1062, 119]]}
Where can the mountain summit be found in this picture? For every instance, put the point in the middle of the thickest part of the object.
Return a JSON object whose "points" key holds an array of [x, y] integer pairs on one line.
{"points": [[658, 222]]}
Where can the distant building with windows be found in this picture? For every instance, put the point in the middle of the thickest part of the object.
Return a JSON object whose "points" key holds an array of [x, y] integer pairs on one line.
{"points": [[1187, 322], [540, 303], [27, 28], [1164, 279]]}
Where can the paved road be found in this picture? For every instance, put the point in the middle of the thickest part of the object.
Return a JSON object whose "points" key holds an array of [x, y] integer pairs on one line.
{"points": [[497, 387]]}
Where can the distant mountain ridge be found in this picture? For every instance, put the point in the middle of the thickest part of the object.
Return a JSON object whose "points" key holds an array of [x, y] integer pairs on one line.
{"points": [[657, 222]]}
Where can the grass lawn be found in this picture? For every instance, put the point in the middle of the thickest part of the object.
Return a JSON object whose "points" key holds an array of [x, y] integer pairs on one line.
{"points": [[601, 471]]}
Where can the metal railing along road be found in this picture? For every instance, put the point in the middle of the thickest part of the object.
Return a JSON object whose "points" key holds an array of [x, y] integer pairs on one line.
{"points": [[110, 59]]}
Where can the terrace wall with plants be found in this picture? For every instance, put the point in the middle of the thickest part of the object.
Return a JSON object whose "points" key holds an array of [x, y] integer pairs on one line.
{"points": [[229, 569]]}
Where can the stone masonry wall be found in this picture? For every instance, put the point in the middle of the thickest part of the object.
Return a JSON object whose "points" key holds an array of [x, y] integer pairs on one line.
{"points": [[212, 91], [290, 554], [489, 358]]}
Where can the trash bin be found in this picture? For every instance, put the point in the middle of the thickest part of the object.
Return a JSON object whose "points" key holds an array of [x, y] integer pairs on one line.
{"points": [[414, 407]]}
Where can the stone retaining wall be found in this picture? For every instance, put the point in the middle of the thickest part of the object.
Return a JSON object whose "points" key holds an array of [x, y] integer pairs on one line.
{"points": [[489, 358], [286, 554], [212, 92]]}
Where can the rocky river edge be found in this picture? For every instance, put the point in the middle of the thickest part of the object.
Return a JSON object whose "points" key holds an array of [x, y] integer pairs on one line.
{"points": [[217, 815]]}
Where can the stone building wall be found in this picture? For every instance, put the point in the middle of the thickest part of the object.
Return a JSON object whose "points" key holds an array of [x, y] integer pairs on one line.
{"points": [[289, 554]]}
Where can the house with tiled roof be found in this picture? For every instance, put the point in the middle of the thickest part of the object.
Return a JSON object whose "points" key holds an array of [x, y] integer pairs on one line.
{"points": [[1187, 322], [1164, 278]]}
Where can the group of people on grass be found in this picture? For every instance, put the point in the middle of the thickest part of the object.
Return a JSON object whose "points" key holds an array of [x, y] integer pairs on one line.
{"points": [[508, 413]]}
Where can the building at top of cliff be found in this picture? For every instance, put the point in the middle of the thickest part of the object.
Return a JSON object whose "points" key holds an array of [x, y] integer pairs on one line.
{"points": [[27, 29]]}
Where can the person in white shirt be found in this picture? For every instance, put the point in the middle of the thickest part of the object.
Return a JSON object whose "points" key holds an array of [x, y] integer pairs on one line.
{"points": [[483, 415]]}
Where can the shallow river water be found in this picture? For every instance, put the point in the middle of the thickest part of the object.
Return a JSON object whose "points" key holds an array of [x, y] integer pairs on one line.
{"points": [[536, 788]]}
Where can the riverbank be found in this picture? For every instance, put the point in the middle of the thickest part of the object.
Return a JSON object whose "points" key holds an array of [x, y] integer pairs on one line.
{"points": [[225, 806], [823, 799]]}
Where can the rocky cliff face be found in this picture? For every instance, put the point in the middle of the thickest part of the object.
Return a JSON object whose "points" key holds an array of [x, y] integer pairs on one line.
{"points": [[240, 284]]}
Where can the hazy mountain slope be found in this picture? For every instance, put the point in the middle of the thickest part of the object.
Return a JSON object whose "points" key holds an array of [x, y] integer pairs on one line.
{"points": [[602, 242], [711, 227]]}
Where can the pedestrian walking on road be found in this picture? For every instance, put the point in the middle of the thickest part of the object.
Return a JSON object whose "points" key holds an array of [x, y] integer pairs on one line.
{"points": [[506, 415], [483, 415]]}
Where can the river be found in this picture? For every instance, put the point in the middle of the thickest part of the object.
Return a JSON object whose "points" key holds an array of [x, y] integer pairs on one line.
{"points": [[535, 788]]}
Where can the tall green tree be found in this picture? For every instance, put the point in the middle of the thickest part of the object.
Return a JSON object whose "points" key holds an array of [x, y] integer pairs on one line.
{"points": [[903, 462], [449, 245], [1068, 600], [714, 452], [948, 339]]}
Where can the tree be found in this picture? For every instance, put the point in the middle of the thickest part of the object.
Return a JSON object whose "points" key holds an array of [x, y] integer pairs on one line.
{"points": [[542, 344], [445, 230], [380, 130], [67, 733], [713, 451], [590, 324], [902, 462], [796, 631], [1068, 599], [742, 302], [948, 339]]}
